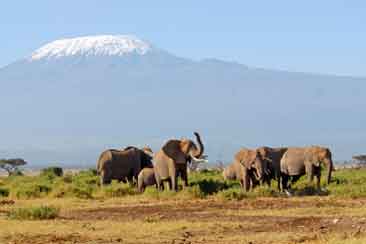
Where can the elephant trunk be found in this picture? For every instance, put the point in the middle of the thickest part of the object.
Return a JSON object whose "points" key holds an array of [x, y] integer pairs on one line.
{"points": [[198, 153], [329, 164]]}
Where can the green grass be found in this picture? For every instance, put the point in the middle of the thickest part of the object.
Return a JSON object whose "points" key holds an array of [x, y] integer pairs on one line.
{"points": [[34, 213], [116, 189], [349, 183]]}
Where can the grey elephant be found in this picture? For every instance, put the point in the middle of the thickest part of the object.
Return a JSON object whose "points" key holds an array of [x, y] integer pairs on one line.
{"points": [[171, 161], [298, 161], [145, 178], [272, 157], [123, 165], [233, 171], [254, 167]]}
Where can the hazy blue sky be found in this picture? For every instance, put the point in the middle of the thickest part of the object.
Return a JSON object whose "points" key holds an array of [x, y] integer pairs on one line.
{"points": [[316, 36]]}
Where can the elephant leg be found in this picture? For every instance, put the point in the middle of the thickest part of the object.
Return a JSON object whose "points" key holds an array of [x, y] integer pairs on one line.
{"points": [[105, 178], [246, 181], [284, 179], [268, 180], [173, 178], [241, 181], [184, 178], [159, 183], [318, 176], [169, 184], [310, 173], [278, 178], [174, 186]]}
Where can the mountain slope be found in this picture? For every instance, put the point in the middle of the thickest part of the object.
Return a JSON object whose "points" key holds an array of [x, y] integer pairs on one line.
{"points": [[68, 108]]}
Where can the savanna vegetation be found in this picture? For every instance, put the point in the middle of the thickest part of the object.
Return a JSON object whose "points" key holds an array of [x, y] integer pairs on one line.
{"points": [[74, 208]]}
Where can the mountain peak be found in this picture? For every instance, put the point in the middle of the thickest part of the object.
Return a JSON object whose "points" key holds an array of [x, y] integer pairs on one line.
{"points": [[102, 45]]}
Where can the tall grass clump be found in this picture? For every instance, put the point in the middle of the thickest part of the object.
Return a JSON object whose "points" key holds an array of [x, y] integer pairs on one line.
{"points": [[34, 213]]}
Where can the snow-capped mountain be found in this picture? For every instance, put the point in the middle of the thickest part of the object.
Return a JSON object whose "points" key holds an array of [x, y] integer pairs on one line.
{"points": [[72, 98], [106, 45]]}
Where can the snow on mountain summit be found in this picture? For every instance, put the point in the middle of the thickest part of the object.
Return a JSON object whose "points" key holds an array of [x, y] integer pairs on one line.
{"points": [[106, 45]]}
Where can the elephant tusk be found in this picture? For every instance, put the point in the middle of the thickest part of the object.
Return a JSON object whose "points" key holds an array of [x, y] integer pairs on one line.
{"points": [[199, 160]]}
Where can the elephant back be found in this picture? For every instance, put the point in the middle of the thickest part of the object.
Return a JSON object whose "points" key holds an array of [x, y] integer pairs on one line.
{"points": [[125, 162], [292, 162]]}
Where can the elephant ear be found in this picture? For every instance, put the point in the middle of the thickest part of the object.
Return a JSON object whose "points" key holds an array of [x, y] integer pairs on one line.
{"points": [[172, 148], [311, 156], [244, 158]]}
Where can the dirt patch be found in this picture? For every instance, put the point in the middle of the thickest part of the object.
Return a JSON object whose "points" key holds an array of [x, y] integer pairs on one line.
{"points": [[7, 202], [213, 211], [217, 221]]}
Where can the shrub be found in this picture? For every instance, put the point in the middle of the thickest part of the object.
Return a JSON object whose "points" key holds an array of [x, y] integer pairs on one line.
{"points": [[31, 190], [34, 213], [16, 172], [4, 192], [210, 186], [56, 171], [86, 177]]}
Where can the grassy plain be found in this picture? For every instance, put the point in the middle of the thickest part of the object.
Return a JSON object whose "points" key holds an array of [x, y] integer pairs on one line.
{"points": [[75, 209]]}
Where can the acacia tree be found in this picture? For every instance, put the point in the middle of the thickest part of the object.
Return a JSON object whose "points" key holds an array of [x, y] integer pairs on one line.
{"points": [[11, 165]]}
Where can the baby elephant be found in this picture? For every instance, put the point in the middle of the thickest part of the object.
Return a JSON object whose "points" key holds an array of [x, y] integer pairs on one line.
{"points": [[145, 178]]}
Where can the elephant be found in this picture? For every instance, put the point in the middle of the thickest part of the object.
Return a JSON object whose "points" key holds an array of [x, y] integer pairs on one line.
{"points": [[172, 159], [123, 165], [254, 167], [145, 178], [298, 161], [235, 171], [273, 157]]}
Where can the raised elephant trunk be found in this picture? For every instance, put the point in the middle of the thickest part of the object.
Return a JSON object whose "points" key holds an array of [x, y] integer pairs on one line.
{"points": [[198, 152]]}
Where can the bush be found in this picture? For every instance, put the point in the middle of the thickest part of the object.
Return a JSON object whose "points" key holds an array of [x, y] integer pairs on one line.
{"points": [[31, 190], [210, 186], [56, 171], [4, 192], [16, 172], [34, 213]]}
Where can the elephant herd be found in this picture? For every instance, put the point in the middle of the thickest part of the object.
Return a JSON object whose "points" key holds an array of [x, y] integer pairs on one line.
{"points": [[133, 164], [250, 166], [262, 165]]}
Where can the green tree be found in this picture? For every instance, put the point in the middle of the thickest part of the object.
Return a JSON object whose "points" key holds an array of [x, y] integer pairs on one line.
{"points": [[11, 165]]}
